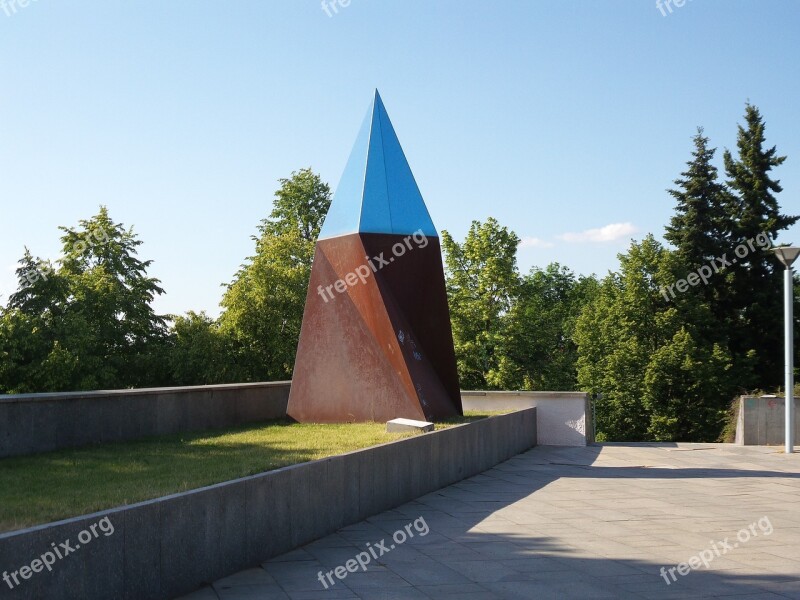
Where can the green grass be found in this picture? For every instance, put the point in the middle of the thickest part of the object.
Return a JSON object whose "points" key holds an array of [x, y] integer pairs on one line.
{"points": [[57, 485]]}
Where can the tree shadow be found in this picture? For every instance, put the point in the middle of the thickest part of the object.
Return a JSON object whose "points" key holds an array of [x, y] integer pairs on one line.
{"points": [[483, 543]]}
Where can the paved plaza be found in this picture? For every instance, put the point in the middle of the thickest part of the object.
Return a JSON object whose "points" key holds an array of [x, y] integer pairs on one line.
{"points": [[594, 522]]}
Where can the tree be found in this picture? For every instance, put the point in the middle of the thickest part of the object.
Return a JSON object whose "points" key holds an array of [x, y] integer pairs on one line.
{"points": [[701, 227], [686, 389], [756, 283], [482, 282], [658, 375], [537, 351], [300, 206], [86, 323], [200, 354], [263, 305]]}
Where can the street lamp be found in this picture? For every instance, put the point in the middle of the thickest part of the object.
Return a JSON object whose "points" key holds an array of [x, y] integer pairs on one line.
{"points": [[787, 255]]}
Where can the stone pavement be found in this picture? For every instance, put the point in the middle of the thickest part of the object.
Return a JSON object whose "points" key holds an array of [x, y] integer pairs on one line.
{"points": [[595, 522]]}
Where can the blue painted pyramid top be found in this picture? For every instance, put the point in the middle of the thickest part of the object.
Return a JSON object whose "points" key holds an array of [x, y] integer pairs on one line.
{"points": [[377, 192]]}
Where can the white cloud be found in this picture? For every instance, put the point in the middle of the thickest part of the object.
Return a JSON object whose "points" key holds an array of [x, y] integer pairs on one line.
{"points": [[532, 242], [607, 233]]}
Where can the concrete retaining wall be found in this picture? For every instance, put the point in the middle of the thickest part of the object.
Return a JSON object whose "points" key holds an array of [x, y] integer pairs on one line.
{"points": [[761, 421], [31, 423], [163, 548], [563, 418]]}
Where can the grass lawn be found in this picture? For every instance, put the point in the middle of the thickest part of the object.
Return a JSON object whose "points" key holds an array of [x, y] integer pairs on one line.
{"points": [[66, 483]]}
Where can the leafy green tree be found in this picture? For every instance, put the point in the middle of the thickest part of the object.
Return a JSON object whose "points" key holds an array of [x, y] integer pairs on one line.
{"points": [[263, 305], [537, 351], [86, 322], [200, 353], [482, 282], [686, 386], [300, 206], [756, 283], [657, 374]]}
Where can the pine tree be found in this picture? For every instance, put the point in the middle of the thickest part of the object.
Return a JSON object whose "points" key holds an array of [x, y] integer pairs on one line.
{"points": [[701, 231], [701, 226], [756, 282]]}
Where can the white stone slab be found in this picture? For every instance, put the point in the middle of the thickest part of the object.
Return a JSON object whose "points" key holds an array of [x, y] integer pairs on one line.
{"points": [[403, 425]]}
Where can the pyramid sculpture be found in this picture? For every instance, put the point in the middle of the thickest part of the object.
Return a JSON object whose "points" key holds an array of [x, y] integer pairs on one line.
{"points": [[376, 342]]}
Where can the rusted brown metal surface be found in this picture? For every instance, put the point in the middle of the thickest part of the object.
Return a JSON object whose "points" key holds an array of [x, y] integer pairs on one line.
{"points": [[378, 346]]}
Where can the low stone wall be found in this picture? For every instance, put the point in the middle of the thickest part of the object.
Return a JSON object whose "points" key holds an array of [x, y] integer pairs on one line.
{"points": [[761, 421], [31, 423], [170, 546], [563, 418]]}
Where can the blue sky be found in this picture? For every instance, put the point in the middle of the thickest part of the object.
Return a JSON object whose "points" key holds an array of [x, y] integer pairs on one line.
{"points": [[557, 118]]}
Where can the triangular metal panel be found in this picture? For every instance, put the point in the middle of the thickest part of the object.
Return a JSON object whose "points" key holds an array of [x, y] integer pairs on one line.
{"points": [[377, 192], [344, 213], [376, 214], [409, 213]]}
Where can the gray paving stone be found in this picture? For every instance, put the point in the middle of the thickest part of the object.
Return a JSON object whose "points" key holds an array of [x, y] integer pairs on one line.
{"points": [[404, 593], [253, 592], [427, 573], [256, 576], [456, 590], [329, 594], [378, 580], [596, 522], [206, 593]]}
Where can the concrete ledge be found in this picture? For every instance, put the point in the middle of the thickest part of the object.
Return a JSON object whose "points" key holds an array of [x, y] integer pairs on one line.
{"points": [[564, 418], [170, 546], [32, 423], [761, 421]]}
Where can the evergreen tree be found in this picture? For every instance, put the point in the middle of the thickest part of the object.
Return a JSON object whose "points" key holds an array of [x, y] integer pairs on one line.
{"points": [[702, 231], [756, 283], [701, 227]]}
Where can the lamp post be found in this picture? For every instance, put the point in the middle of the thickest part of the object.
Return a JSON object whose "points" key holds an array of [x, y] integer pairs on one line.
{"points": [[787, 255]]}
